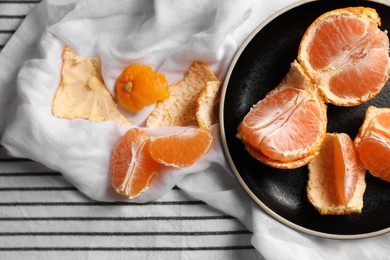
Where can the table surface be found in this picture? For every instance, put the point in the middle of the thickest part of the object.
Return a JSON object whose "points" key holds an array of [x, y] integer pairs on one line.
{"points": [[42, 216]]}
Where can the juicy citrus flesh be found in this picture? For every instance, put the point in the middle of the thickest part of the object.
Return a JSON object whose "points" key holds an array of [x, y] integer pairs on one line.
{"points": [[346, 54], [132, 167], [336, 179], [181, 149], [345, 167], [374, 153], [278, 164], [285, 129], [274, 125], [139, 86], [373, 142]]}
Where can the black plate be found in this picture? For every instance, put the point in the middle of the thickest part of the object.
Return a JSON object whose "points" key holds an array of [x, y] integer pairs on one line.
{"points": [[258, 67]]}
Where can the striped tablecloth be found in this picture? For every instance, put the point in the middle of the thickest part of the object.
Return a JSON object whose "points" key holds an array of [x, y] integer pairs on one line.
{"points": [[42, 216]]}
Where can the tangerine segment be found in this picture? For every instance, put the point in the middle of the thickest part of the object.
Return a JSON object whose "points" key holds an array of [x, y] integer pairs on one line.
{"points": [[336, 182], [278, 164], [381, 121], [139, 86], [298, 135], [345, 167], [182, 149], [262, 119], [367, 75], [374, 153], [346, 55], [289, 123], [373, 142], [132, 167]]}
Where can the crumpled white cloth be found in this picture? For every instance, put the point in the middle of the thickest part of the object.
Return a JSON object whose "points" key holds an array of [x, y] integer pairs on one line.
{"points": [[167, 35]]}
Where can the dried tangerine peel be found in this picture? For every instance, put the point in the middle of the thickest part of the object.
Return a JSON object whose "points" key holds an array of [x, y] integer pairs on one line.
{"points": [[82, 93], [180, 108], [181, 149], [132, 167], [373, 142], [323, 188], [206, 103], [139, 86], [273, 127], [346, 55]]}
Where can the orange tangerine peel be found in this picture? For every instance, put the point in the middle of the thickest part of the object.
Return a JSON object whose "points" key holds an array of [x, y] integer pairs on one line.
{"points": [[181, 107], [82, 93]]}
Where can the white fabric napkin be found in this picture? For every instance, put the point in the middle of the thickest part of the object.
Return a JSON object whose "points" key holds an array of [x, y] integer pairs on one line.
{"points": [[167, 35]]}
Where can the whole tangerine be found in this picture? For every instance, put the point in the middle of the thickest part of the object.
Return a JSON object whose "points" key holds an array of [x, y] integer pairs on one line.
{"points": [[139, 86]]}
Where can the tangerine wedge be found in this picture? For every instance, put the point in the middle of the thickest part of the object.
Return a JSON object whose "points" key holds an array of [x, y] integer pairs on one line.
{"points": [[287, 127], [132, 167], [346, 55], [181, 149], [278, 164], [373, 142], [336, 182]]}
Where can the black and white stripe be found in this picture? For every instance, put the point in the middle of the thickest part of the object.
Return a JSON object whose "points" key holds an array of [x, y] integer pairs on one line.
{"points": [[43, 214], [12, 14]]}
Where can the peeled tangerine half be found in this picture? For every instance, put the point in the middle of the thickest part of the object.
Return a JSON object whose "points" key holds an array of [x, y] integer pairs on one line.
{"points": [[373, 142], [346, 55], [336, 179], [286, 128]]}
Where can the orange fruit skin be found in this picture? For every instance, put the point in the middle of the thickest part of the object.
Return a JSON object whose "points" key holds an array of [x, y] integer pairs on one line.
{"points": [[139, 86], [181, 107], [132, 167], [82, 93], [346, 55], [181, 149], [373, 142]]}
